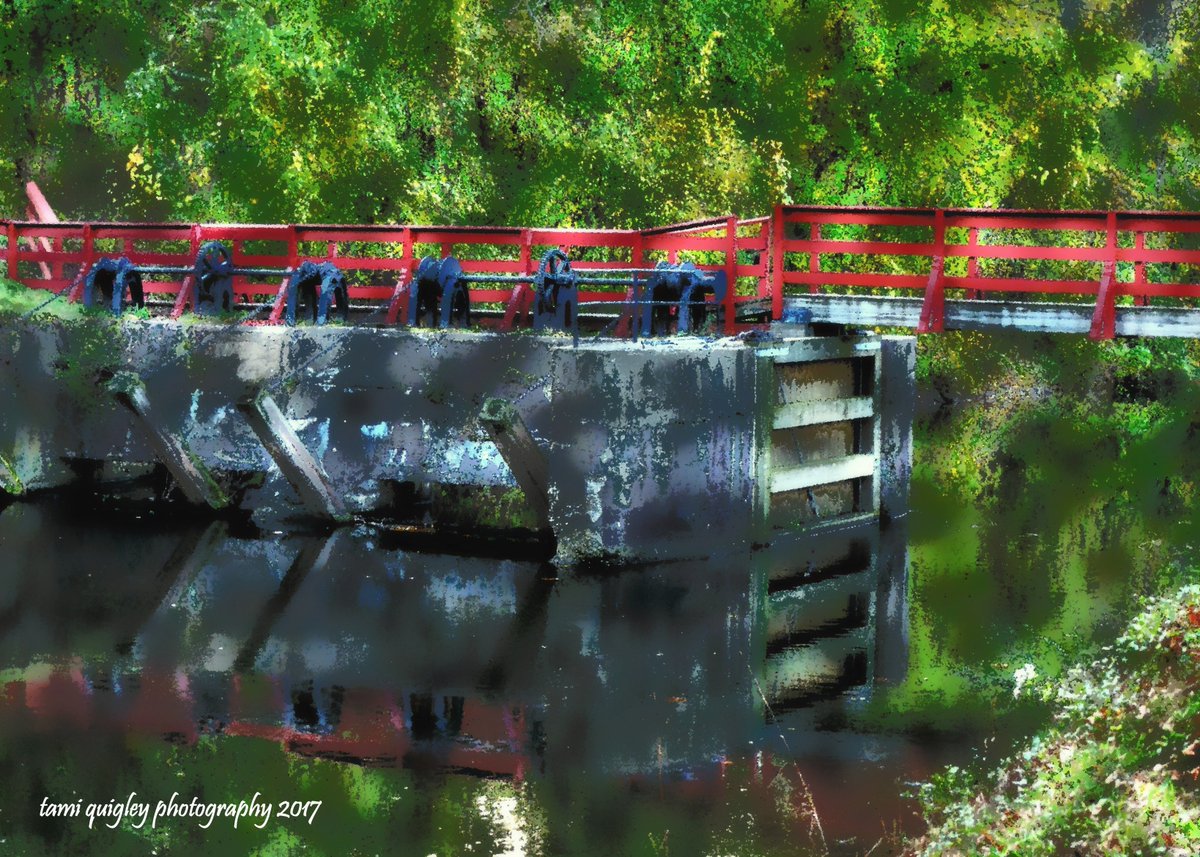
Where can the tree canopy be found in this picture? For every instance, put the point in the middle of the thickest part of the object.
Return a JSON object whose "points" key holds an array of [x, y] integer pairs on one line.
{"points": [[601, 113]]}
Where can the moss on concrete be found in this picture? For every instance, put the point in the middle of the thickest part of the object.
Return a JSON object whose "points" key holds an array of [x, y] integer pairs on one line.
{"points": [[481, 506], [17, 300], [10, 482]]}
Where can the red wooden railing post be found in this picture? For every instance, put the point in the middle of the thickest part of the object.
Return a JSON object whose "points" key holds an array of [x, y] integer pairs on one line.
{"points": [[973, 262], [1104, 317], [516, 301], [776, 273], [525, 305], [1139, 268], [637, 259], [187, 288], [730, 274], [193, 297], [763, 234], [399, 303], [12, 251], [89, 256], [39, 242], [814, 258], [39, 210], [293, 261], [933, 310]]}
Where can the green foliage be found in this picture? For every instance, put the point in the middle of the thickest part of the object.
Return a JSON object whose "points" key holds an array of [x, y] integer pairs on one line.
{"points": [[1116, 773], [467, 506], [616, 113], [17, 300], [1056, 486]]}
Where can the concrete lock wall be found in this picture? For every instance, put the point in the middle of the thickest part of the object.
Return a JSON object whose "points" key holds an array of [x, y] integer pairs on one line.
{"points": [[656, 449]]}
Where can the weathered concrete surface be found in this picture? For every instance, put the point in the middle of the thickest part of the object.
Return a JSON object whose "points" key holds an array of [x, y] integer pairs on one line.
{"points": [[653, 449], [891, 605], [376, 403], [33, 405], [897, 410], [527, 461], [873, 311], [190, 474], [653, 446], [303, 472]]}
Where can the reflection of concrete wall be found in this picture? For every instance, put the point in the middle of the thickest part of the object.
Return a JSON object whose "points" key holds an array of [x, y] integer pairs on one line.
{"points": [[835, 621], [652, 446], [650, 669], [658, 667], [659, 448], [897, 405]]}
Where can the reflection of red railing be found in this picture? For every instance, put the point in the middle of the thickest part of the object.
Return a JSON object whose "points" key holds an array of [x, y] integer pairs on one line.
{"points": [[1101, 240], [371, 728], [378, 260]]}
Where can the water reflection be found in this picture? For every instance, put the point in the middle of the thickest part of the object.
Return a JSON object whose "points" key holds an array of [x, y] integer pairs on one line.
{"points": [[835, 616], [338, 648]]}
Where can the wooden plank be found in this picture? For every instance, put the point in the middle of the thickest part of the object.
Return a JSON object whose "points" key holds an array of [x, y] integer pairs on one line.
{"points": [[1042, 317], [190, 473], [812, 348], [822, 472], [823, 411], [295, 462]]}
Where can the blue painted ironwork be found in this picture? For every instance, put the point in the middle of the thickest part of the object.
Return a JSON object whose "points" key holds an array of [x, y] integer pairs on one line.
{"points": [[455, 304], [557, 288], [438, 294], [318, 286], [796, 315], [423, 293], [214, 279], [109, 282], [682, 289]]}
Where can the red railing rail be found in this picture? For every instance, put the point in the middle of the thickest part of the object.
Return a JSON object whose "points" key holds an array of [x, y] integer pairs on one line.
{"points": [[1098, 255], [1118, 246], [379, 259]]}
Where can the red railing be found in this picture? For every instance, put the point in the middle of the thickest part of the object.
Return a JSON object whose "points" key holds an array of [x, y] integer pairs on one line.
{"points": [[378, 260], [890, 257], [1103, 256]]}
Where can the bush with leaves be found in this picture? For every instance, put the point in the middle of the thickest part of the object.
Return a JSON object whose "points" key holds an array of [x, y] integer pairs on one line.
{"points": [[1116, 773]]}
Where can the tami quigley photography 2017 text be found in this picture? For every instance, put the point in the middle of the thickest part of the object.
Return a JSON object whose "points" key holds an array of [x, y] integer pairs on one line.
{"points": [[111, 814]]}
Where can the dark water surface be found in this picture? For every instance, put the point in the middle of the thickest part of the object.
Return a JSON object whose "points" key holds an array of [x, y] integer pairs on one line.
{"points": [[545, 710]]}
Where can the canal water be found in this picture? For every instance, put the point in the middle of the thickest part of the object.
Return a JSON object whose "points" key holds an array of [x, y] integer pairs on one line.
{"points": [[381, 701]]}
